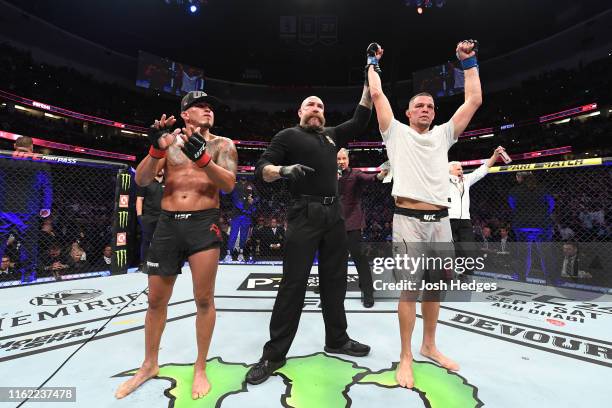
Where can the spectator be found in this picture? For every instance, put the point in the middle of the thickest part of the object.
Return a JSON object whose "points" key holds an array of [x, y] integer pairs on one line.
{"points": [[486, 239], [274, 240], [257, 239], [77, 261], [53, 263], [244, 201], [571, 265], [504, 240], [105, 261], [48, 235], [7, 272]]}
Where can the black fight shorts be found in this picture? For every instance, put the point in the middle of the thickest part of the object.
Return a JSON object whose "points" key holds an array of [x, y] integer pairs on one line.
{"points": [[180, 234]]}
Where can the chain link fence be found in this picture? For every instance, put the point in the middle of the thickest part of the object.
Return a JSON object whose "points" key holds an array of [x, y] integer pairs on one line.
{"points": [[59, 217], [64, 217], [554, 219], [544, 213]]}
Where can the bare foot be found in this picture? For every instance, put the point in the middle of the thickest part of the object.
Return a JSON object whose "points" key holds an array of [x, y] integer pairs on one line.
{"points": [[433, 353], [200, 386], [142, 375], [403, 374]]}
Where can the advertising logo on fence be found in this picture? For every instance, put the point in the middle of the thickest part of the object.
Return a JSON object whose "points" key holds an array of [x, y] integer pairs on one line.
{"points": [[123, 219], [121, 257], [124, 201], [125, 181], [121, 238]]}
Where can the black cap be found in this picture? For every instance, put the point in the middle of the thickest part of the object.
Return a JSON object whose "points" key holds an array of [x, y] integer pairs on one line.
{"points": [[194, 97]]}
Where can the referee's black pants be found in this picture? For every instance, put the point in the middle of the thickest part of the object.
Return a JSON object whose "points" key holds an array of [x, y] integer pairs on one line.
{"points": [[463, 238], [312, 226], [361, 263]]}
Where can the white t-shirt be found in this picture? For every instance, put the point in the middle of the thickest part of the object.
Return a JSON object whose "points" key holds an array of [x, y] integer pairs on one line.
{"points": [[419, 162]]}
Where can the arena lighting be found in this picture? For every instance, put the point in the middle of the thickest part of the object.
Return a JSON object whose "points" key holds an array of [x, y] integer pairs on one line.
{"points": [[477, 132], [420, 10], [193, 6], [558, 122], [70, 148], [568, 112], [140, 129], [588, 115], [68, 113], [486, 136]]}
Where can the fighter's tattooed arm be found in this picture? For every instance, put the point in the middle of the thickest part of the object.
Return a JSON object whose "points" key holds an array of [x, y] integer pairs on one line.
{"points": [[224, 164]]}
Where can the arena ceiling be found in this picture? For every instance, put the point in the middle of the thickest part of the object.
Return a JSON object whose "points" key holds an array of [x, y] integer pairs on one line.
{"points": [[229, 37]]}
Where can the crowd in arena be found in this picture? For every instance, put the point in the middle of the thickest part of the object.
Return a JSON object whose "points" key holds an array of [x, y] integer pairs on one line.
{"points": [[546, 93], [581, 213]]}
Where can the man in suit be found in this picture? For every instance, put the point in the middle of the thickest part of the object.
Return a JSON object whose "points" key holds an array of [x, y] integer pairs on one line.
{"points": [[7, 272], [572, 265], [351, 183], [275, 237], [504, 240]]}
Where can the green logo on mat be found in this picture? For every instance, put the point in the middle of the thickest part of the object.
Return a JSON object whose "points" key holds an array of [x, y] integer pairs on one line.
{"points": [[123, 219], [121, 258], [125, 181], [317, 381]]}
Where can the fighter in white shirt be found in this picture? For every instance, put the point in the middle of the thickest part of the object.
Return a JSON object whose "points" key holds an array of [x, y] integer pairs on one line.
{"points": [[419, 162]]}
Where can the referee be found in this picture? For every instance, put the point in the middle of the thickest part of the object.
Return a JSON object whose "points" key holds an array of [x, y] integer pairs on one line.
{"points": [[306, 156]]}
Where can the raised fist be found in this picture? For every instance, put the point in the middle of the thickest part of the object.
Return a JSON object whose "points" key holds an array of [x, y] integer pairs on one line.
{"points": [[466, 49]]}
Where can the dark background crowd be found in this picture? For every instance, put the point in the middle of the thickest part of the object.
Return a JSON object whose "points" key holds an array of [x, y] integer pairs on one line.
{"points": [[568, 205]]}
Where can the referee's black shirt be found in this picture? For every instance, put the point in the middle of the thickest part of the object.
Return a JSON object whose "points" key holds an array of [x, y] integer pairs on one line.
{"points": [[318, 150]]}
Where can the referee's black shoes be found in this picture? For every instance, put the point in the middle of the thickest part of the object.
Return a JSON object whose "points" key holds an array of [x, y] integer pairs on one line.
{"points": [[350, 348], [262, 370]]}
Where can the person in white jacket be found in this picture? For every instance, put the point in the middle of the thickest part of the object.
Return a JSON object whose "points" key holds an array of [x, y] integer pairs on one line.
{"points": [[459, 211]]}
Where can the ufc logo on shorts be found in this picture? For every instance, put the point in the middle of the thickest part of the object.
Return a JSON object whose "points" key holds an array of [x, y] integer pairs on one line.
{"points": [[429, 217], [181, 216]]}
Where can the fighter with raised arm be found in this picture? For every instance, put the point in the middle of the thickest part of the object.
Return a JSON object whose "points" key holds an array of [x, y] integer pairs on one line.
{"points": [[419, 165], [197, 164]]}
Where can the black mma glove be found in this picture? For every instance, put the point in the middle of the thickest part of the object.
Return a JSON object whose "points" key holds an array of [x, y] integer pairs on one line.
{"points": [[195, 149], [154, 134], [372, 60], [294, 171]]}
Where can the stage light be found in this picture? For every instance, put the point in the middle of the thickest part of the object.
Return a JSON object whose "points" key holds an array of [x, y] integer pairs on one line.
{"points": [[193, 8], [420, 10]]}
